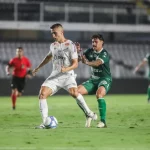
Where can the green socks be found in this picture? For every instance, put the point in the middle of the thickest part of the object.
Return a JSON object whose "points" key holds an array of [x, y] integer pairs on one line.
{"points": [[148, 93], [102, 109]]}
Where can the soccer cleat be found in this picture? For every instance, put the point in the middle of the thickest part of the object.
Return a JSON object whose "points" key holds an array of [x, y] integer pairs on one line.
{"points": [[89, 119], [101, 125], [14, 107], [40, 127]]}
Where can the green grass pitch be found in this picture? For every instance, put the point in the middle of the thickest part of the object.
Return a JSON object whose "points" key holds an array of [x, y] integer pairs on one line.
{"points": [[128, 120]]}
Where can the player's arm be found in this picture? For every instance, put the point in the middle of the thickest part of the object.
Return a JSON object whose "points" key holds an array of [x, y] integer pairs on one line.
{"points": [[79, 50], [74, 58], [7, 69], [141, 64], [72, 67], [44, 62], [95, 63]]}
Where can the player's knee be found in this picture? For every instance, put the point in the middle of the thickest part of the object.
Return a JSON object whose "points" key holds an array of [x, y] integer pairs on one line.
{"points": [[82, 90], [42, 95], [100, 94], [73, 92]]}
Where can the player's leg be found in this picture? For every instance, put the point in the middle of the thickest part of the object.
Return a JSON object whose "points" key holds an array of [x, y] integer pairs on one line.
{"points": [[48, 88], [148, 92], [101, 106], [83, 106], [14, 92], [43, 94], [103, 88]]}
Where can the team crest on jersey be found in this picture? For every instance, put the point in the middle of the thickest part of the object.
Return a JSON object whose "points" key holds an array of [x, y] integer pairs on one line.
{"points": [[66, 44]]}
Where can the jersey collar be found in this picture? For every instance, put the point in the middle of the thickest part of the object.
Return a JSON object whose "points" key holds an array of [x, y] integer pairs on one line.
{"points": [[99, 51]]}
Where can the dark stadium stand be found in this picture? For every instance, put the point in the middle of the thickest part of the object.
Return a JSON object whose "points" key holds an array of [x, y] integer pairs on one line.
{"points": [[130, 54]]}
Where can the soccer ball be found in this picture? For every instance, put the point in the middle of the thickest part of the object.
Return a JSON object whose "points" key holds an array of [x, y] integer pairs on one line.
{"points": [[51, 122]]}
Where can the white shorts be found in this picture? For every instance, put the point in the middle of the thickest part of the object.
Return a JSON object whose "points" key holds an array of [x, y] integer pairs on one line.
{"points": [[57, 83]]}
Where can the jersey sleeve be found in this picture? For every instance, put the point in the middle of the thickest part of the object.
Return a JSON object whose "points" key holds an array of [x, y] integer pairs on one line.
{"points": [[73, 50], [104, 57], [11, 62], [147, 57], [50, 50], [86, 52]]}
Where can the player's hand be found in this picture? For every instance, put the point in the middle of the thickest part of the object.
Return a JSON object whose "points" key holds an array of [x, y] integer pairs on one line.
{"points": [[7, 73], [35, 71], [77, 44], [135, 70], [84, 60], [63, 69], [28, 76]]}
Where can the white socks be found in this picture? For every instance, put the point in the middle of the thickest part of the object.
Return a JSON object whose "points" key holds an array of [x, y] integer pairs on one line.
{"points": [[82, 104], [43, 109]]}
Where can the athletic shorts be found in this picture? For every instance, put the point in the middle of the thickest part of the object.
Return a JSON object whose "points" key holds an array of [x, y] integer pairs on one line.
{"points": [[57, 83], [92, 85], [18, 83]]}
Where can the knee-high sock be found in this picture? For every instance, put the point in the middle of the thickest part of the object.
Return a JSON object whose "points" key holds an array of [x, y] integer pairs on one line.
{"points": [[13, 99], [82, 104], [43, 109], [148, 92], [102, 109]]}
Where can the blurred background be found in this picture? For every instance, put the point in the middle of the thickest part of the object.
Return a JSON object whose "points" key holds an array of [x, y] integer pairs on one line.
{"points": [[125, 25]]}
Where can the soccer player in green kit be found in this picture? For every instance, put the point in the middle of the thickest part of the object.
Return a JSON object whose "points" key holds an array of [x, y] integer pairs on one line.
{"points": [[145, 61], [100, 81]]}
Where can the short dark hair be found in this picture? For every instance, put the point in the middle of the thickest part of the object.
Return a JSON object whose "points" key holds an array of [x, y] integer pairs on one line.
{"points": [[19, 47], [56, 25], [98, 36]]}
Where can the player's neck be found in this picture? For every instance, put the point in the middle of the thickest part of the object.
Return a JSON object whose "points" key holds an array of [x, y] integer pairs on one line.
{"points": [[19, 57], [62, 40], [99, 50]]}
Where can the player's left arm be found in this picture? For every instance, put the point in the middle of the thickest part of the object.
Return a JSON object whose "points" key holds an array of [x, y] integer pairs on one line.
{"points": [[103, 58], [73, 66], [74, 58], [29, 70], [95, 63]]}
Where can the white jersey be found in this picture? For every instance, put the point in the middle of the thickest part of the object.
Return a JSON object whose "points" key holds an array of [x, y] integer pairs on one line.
{"points": [[62, 55]]}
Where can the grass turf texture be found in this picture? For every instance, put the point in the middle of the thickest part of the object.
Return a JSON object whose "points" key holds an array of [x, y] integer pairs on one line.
{"points": [[128, 120]]}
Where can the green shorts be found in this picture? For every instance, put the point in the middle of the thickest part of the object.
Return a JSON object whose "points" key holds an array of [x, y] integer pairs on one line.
{"points": [[92, 85]]}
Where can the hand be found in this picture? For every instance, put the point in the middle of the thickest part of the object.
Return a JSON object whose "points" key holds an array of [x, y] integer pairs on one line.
{"points": [[35, 71], [28, 76], [84, 60], [77, 44], [7, 73], [63, 69], [135, 70]]}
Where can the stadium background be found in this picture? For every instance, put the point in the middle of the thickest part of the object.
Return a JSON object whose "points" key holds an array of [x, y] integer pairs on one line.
{"points": [[125, 25]]}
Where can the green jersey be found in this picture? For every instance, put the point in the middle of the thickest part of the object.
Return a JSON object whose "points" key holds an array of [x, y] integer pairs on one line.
{"points": [[102, 71], [148, 60]]}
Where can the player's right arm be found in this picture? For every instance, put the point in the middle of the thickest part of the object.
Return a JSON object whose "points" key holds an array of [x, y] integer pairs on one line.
{"points": [[7, 70], [79, 51], [9, 67], [47, 58], [141, 64]]}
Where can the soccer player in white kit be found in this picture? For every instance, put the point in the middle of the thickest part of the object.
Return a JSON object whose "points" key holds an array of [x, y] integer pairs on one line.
{"points": [[64, 57]]}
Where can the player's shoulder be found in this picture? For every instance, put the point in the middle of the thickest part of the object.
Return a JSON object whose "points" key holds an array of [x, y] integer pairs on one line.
{"points": [[69, 43], [147, 55], [14, 59], [88, 50], [54, 44], [25, 57]]}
